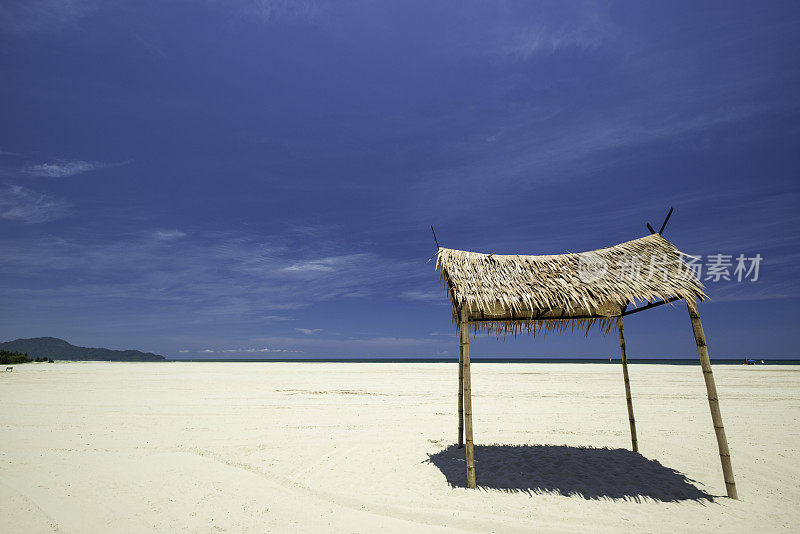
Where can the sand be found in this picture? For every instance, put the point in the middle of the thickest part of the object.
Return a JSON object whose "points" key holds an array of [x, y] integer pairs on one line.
{"points": [[312, 447]]}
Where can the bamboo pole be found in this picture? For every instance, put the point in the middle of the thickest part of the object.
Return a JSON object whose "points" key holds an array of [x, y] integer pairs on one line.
{"points": [[460, 392], [631, 419], [464, 331], [713, 400]]}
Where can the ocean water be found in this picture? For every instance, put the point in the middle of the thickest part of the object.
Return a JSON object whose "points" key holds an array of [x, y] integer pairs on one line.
{"points": [[452, 359]]}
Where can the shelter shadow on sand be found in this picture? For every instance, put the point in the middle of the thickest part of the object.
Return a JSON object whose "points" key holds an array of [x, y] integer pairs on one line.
{"points": [[593, 473]]}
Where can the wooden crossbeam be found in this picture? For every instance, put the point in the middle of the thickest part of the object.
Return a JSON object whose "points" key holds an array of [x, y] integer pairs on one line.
{"points": [[649, 306]]}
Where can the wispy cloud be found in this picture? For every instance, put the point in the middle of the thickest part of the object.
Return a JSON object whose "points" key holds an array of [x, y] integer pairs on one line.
{"points": [[328, 264], [217, 277], [43, 16], [277, 318], [426, 296], [230, 352], [262, 350], [520, 31], [18, 203], [168, 235], [582, 26], [309, 331], [749, 291], [62, 169], [374, 345], [36, 16], [569, 149], [390, 342], [150, 45], [282, 9]]}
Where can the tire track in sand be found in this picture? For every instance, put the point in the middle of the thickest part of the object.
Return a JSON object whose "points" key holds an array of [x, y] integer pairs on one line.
{"points": [[431, 518]]}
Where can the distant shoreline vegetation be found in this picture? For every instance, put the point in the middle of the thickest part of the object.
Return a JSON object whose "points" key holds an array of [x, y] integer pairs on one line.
{"points": [[50, 348], [8, 358]]}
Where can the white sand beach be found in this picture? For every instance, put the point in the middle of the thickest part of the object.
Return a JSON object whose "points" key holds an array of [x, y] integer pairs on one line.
{"points": [[346, 447]]}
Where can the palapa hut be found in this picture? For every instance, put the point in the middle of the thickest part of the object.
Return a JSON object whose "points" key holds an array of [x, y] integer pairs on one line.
{"points": [[539, 294]]}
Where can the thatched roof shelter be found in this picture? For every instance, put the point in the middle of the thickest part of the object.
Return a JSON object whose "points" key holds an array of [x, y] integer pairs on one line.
{"points": [[539, 294], [505, 293]]}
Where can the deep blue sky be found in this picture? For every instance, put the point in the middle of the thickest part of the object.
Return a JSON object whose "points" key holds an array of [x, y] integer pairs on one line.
{"points": [[189, 176]]}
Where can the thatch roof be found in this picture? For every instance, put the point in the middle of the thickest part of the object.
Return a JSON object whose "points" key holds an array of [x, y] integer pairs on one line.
{"points": [[509, 293]]}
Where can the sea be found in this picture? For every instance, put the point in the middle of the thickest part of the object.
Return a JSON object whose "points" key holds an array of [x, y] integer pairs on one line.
{"points": [[451, 359]]}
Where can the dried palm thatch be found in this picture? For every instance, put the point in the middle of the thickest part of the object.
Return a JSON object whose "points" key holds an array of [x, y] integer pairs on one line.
{"points": [[539, 294]]}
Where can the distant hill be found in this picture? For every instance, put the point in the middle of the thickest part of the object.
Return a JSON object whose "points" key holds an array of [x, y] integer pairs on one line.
{"points": [[58, 349]]}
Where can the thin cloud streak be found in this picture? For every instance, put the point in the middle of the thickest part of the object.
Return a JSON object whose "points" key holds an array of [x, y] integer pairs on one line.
{"points": [[202, 276], [584, 27], [569, 152], [375, 345], [50, 16], [309, 331], [43, 16], [169, 235], [425, 296], [24, 205], [63, 169]]}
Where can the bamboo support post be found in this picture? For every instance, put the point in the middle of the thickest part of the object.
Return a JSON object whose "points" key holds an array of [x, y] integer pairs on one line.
{"points": [[631, 419], [460, 393], [464, 333], [713, 400]]}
